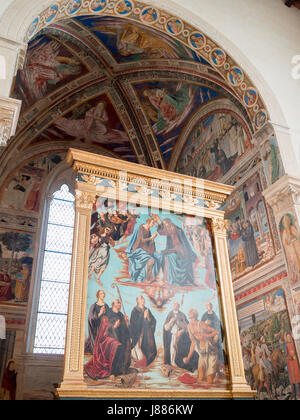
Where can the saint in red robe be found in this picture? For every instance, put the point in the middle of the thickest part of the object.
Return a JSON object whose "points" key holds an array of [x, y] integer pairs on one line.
{"points": [[5, 288], [9, 382], [105, 349]]}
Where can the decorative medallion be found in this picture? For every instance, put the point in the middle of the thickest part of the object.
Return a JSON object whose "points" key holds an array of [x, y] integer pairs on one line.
{"points": [[124, 7], [218, 57], [50, 13], [197, 40], [260, 119], [174, 26], [73, 6], [149, 15], [32, 28], [250, 97], [97, 6], [235, 76]]}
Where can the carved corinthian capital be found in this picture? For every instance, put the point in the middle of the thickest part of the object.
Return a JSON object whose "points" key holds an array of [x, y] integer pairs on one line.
{"points": [[284, 195], [85, 200], [9, 115], [219, 226]]}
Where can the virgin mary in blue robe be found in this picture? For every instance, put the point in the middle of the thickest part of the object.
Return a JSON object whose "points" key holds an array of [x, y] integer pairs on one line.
{"points": [[144, 262]]}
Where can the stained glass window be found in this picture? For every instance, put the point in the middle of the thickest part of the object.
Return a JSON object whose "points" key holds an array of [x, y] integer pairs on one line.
{"points": [[54, 290]]}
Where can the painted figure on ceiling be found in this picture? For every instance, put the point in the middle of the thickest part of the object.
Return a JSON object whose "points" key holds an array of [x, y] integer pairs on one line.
{"points": [[135, 40], [93, 127], [45, 67], [168, 107]]}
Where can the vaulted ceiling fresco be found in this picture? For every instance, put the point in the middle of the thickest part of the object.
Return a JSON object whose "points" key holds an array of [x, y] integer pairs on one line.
{"points": [[128, 90]]}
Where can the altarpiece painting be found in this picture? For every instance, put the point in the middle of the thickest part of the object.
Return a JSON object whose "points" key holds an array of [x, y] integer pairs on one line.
{"points": [[151, 309]]}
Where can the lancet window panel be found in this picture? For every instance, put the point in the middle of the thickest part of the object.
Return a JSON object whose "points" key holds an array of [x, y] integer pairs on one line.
{"points": [[54, 286]]}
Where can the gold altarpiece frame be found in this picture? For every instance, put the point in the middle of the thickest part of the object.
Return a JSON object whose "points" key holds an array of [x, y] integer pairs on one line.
{"points": [[99, 176]]}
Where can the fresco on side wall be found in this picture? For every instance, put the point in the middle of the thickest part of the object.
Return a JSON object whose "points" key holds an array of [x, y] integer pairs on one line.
{"points": [[291, 243], [249, 235], [272, 160], [48, 66], [214, 146], [23, 190], [269, 353], [168, 106], [152, 287], [16, 259]]}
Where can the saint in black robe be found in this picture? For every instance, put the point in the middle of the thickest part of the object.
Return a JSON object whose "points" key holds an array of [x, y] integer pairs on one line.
{"points": [[143, 329], [122, 358], [250, 247], [183, 342]]}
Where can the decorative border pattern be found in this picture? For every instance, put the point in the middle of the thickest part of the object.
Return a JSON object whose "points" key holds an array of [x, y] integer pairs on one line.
{"points": [[261, 286]]}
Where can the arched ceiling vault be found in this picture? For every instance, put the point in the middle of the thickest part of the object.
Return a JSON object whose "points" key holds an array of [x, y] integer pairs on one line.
{"points": [[126, 80]]}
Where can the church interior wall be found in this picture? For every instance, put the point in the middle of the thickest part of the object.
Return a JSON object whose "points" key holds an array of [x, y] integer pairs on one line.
{"points": [[265, 270]]}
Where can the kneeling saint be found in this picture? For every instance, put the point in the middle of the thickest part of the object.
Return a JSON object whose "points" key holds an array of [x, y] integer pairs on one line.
{"points": [[142, 329]]}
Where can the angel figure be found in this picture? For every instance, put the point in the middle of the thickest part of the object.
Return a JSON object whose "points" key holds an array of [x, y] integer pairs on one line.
{"points": [[169, 109], [93, 127], [43, 68], [101, 242]]}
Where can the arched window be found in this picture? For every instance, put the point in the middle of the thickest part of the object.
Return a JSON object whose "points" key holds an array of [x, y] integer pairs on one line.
{"points": [[50, 331]]}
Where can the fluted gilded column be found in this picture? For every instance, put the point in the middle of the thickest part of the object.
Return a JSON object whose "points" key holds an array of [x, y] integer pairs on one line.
{"points": [[239, 386], [73, 370]]}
